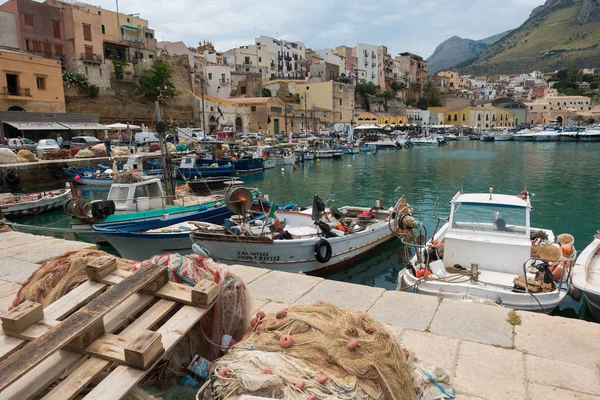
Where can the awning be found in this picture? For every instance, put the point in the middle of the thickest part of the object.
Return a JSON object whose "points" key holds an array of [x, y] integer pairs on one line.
{"points": [[135, 28], [84, 126], [36, 126]]}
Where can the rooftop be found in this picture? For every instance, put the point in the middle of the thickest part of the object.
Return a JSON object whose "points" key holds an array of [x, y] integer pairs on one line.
{"points": [[249, 100]]}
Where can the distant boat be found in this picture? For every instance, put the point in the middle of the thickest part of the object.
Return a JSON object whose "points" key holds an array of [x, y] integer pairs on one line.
{"points": [[590, 135], [191, 167], [504, 137], [548, 134], [89, 176]]}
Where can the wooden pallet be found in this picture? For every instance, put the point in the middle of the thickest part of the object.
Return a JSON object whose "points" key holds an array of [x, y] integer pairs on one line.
{"points": [[73, 338]]}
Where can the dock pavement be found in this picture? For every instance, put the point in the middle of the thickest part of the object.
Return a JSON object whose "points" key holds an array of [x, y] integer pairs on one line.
{"points": [[488, 354]]}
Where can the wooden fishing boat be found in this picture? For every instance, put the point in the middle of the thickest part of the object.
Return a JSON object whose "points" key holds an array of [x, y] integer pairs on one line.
{"points": [[487, 254], [585, 277], [89, 176], [33, 203]]}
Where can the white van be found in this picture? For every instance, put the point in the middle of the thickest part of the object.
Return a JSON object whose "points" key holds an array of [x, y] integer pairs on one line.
{"points": [[146, 137], [190, 134]]}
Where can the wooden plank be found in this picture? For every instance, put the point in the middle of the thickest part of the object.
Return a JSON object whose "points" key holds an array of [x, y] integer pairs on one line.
{"points": [[109, 347], [9, 344], [38, 329], [100, 267], [78, 380], [204, 293], [150, 318], [73, 300], [54, 366], [144, 350], [85, 339], [22, 317], [123, 378], [21, 361]]}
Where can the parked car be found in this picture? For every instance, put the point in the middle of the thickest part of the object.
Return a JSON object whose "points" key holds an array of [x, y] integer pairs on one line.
{"points": [[24, 144], [255, 136], [46, 146], [146, 137], [84, 142]]}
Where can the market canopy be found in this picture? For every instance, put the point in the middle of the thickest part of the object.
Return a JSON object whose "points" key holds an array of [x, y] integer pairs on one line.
{"points": [[84, 126], [365, 127], [119, 125], [36, 126]]}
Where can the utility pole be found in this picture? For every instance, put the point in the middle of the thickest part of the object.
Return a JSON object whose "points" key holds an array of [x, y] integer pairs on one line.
{"points": [[314, 118], [166, 159], [305, 113], [203, 117]]}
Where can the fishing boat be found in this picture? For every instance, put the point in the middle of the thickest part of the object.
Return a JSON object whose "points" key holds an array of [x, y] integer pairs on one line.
{"points": [[89, 176], [18, 205], [450, 137], [192, 167], [426, 141], [306, 241], [206, 186], [270, 163], [504, 137], [487, 250], [350, 150], [585, 277], [487, 137], [590, 134], [329, 153]]}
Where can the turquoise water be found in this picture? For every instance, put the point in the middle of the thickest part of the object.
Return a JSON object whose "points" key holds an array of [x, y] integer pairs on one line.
{"points": [[563, 178]]}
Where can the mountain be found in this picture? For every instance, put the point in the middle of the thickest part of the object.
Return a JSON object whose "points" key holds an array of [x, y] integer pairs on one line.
{"points": [[559, 34], [457, 50]]}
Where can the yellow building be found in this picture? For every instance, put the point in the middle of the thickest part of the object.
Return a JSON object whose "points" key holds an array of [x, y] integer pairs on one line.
{"points": [[453, 78], [336, 97], [30, 83], [365, 118], [477, 117], [387, 119]]}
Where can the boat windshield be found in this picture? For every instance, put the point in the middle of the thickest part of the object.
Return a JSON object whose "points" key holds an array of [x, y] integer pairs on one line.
{"points": [[490, 218], [118, 193]]}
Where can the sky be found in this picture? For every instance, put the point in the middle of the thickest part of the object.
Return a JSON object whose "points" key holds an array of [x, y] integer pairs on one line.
{"points": [[417, 26]]}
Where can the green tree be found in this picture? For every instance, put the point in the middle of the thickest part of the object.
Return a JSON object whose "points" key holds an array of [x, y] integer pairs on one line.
{"points": [[422, 103], [158, 80], [365, 88], [266, 92], [395, 86], [432, 95], [594, 85]]}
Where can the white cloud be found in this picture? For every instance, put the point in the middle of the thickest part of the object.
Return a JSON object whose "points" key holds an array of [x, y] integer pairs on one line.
{"points": [[401, 25]]}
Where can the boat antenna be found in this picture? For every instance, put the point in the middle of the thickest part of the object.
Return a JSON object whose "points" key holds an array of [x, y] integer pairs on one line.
{"points": [[166, 159]]}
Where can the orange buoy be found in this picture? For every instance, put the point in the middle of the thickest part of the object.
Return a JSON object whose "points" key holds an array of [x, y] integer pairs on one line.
{"points": [[286, 341], [253, 322], [312, 397], [421, 272], [353, 344], [352, 331], [281, 314], [370, 329], [322, 379], [260, 314], [260, 328], [566, 249], [557, 272], [267, 371]]}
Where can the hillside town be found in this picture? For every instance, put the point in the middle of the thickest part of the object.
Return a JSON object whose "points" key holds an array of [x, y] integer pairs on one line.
{"points": [[78, 58]]}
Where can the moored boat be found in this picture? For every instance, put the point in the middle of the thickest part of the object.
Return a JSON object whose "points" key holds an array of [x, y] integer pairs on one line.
{"points": [[590, 135], [89, 176], [485, 250], [33, 203], [585, 276]]}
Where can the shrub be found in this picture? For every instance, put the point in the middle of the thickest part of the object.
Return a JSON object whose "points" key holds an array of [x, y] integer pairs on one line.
{"points": [[74, 150], [93, 91]]}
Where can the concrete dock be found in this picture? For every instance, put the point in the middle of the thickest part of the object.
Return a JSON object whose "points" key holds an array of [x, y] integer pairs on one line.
{"points": [[550, 358]]}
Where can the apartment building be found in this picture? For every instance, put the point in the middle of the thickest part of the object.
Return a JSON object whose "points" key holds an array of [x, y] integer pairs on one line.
{"points": [[415, 69], [254, 59], [289, 57], [350, 61], [367, 61], [335, 97]]}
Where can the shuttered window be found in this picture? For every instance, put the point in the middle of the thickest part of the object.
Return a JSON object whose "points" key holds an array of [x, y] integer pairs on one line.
{"points": [[37, 46], [58, 49], [87, 32], [28, 19], [48, 49]]}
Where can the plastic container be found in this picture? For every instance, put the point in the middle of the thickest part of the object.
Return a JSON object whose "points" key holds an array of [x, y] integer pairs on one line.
{"points": [[438, 268], [225, 342]]}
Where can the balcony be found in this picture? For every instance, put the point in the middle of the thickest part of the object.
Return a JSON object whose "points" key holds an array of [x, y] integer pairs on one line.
{"points": [[247, 62], [91, 58], [16, 91], [366, 63], [224, 81], [373, 55], [287, 58], [374, 65]]}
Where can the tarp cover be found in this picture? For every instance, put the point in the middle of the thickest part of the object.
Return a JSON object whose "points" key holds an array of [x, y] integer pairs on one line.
{"points": [[84, 125], [36, 126]]}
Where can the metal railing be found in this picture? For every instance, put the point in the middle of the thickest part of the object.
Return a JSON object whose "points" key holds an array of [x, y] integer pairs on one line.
{"points": [[16, 91], [94, 58]]}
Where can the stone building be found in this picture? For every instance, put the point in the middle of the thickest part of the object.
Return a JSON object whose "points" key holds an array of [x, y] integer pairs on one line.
{"points": [[335, 97], [30, 83], [266, 114], [323, 72], [8, 33], [246, 84], [415, 69], [40, 27]]}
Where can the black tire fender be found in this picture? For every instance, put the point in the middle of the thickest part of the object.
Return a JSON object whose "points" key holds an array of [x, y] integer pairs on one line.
{"points": [[323, 243]]}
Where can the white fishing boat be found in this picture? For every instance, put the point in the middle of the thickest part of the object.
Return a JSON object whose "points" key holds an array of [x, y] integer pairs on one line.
{"points": [[585, 277], [18, 205], [504, 137], [425, 141], [329, 153], [548, 134], [309, 241], [285, 159], [484, 251], [590, 135], [270, 163], [450, 137], [525, 135]]}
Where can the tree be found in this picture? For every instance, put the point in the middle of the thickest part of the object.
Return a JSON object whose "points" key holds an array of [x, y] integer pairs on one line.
{"points": [[423, 104], [158, 80], [396, 86], [367, 88], [266, 92], [432, 95], [386, 96], [594, 85]]}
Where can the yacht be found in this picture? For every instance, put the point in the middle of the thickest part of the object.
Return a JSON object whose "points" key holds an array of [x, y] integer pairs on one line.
{"points": [[548, 134], [591, 134]]}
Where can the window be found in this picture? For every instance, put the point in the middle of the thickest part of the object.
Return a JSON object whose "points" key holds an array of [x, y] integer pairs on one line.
{"points": [[128, 20], [47, 49], [455, 117], [103, 29], [150, 56], [89, 53], [222, 77], [253, 108], [27, 45], [56, 28], [28, 19], [340, 102], [149, 35], [210, 76], [247, 60], [87, 32], [41, 82], [138, 55], [275, 109], [12, 82], [99, 12], [259, 59], [58, 49], [37, 46], [243, 90]]}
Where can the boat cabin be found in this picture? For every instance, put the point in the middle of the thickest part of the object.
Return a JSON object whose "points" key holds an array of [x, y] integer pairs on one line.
{"points": [[491, 230], [137, 196]]}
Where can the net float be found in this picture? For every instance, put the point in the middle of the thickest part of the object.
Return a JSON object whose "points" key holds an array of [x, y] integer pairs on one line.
{"points": [[312, 397], [224, 372], [267, 371], [322, 379], [286, 341], [260, 314], [253, 321], [281, 314], [352, 331], [300, 384], [370, 329], [260, 328]]}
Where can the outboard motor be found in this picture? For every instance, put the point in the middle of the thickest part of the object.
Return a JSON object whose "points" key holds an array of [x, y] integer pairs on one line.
{"points": [[102, 208]]}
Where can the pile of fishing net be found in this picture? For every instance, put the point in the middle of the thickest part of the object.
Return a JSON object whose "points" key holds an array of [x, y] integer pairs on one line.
{"points": [[133, 176], [119, 151], [316, 350], [58, 276], [99, 150], [7, 156], [85, 153], [26, 156], [227, 316]]}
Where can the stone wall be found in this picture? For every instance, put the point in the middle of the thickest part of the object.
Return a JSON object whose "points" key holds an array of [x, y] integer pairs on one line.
{"points": [[252, 83], [285, 90], [97, 74], [32, 105], [454, 102]]}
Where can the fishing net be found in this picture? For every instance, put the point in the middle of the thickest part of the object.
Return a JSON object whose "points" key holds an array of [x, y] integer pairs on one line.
{"points": [[128, 177], [85, 153], [119, 151], [60, 275], [99, 150], [227, 316], [26, 156], [333, 353]]}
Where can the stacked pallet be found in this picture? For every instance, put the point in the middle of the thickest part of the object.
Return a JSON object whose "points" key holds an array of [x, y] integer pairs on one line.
{"points": [[73, 338]]}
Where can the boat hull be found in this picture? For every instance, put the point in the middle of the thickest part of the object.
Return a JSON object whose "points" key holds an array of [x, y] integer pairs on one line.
{"points": [[221, 170], [585, 269], [36, 207], [81, 177], [296, 255]]}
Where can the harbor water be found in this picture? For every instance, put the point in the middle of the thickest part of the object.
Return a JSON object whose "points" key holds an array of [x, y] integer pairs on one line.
{"points": [[562, 177]]}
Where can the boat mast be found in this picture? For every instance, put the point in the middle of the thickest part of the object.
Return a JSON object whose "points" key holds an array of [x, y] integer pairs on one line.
{"points": [[166, 159]]}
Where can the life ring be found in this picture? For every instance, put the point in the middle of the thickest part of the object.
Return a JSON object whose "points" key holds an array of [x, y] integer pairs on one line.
{"points": [[12, 177], [322, 258]]}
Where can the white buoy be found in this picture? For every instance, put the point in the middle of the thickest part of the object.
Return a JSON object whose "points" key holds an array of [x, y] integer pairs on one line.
{"points": [[282, 169]]}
